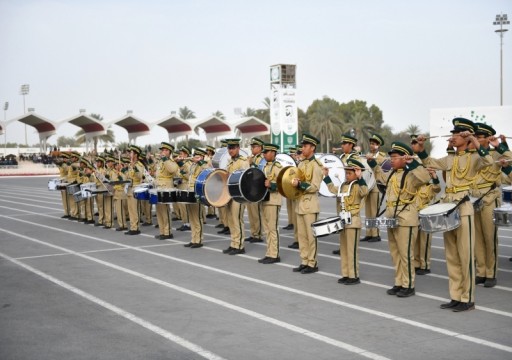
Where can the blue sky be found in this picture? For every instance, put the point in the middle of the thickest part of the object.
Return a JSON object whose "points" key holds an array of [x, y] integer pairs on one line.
{"points": [[153, 57]]}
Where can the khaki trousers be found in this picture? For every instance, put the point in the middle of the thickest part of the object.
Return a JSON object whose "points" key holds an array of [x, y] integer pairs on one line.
{"points": [[65, 204], [422, 250], [349, 252], [401, 246], [195, 217], [133, 210], [254, 212], [99, 198], [164, 219], [270, 227], [108, 210], [307, 242], [120, 202], [486, 242], [371, 208], [460, 260], [235, 218]]}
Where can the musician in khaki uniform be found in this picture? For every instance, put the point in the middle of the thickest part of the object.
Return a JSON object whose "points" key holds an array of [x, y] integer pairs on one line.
{"points": [[461, 168], [234, 210], [210, 152], [166, 170], [222, 210], [100, 196], [403, 183], [271, 206], [145, 205], [195, 211], [184, 163], [295, 153], [371, 204], [307, 205], [254, 210], [63, 170], [108, 198], [135, 175], [352, 193], [73, 167], [88, 203], [486, 188], [119, 175], [292, 150]]}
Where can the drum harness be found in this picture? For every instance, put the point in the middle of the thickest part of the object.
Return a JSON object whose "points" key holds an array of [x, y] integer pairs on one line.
{"points": [[345, 216], [397, 202]]}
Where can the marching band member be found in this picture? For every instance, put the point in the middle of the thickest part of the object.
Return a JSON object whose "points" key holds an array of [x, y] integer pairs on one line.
{"points": [[120, 193], [254, 209], [72, 176], [195, 210], [271, 206], [63, 170], [402, 186], [424, 198], [145, 205], [166, 170], [88, 203], [462, 168], [234, 210], [307, 205], [295, 153], [108, 198], [292, 150], [224, 222], [486, 187], [134, 174], [183, 174], [99, 198], [210, 152], [352, 192], [371, 204]]}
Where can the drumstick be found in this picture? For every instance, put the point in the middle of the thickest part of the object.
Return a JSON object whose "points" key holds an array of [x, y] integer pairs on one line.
{"points": [[505, 160], [436, 136]]}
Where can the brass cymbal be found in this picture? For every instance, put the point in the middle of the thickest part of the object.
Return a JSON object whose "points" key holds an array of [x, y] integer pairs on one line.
{"points": [[284, 182]]}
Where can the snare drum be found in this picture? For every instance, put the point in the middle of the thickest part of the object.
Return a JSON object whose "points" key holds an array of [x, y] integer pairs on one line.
{"points": [[184, 196], [434, 218], [325, 227], [87, 189], [78, 196], [72, 189], [153, 196], [502, 216], [247, 185], [221, 158], [141, 192], [53, 184], [381, 223], [210, 187], [506, 194], [166, 196], [336, 173]]}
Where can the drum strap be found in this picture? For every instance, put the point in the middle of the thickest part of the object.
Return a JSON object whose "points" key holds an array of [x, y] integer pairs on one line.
{"points": [[402, 184], [461, 201], [477, 202], [384, 195]]}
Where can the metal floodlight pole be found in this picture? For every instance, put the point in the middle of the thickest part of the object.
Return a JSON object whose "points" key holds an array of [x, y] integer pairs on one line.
{"points": [[24, 90], [6, 107], [501, 19]]}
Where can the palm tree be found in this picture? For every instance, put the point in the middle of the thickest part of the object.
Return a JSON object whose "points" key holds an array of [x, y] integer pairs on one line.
{"points": [[361, 127], [413, 130], [185, 113], [109, 137], [249, 112], [219, 114], [324, 121]]}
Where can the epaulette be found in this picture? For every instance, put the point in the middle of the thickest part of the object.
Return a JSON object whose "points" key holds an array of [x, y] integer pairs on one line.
{"points": [[382, 153], [243, 158], [319, 162], [277, 164], [201, 162]]}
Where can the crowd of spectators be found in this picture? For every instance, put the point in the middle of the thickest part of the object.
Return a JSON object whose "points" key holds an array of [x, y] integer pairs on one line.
{"points": [[8, 161]]}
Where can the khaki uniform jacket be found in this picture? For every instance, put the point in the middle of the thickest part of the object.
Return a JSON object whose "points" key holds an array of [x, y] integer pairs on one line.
{"points": [[406, 210], [461, 171], [427, 193], [194, 170], [271, 171], [308, 202], [237, 163], [165, 172], [352, 201], [135, 173], [72, 175]]}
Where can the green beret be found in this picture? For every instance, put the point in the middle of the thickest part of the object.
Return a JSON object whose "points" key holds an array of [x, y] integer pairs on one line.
{"points": [[185, 149], [135, 149], [309, 139], [400, 148], [256, 141], [347, 138], [233, 142], [377, 138], [167, 146], [462, 124], [484, 129], [270, 147], [354, 164], [198, 151]]}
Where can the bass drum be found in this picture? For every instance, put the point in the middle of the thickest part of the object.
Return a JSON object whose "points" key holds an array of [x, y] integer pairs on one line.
{"points": [[247, 185], [336, 173], [368, 175], [210, 187], [221, 158], [283, 159]]}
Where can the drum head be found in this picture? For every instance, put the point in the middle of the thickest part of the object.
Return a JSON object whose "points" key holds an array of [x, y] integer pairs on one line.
{"points": [[368, 175], [336, 173], [386, 165], [251, 184], [285, 160], [440, 208], [221, 158], [215, 189], [284, 182]]}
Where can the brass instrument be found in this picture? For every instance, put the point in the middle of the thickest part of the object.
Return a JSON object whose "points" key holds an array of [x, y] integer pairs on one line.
{"points": [[284, 182]]}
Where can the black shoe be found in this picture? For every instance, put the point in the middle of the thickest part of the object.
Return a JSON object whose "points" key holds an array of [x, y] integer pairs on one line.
{"points": [[352, 281], [218, 226], [449, 305], [263, 259], [210, 216], [224, 231], [366, 238], [196, 245], [248, 239], [147, 224], [120, 229], [185, 228], [65, 217], [374, 239], [309, 270], [96, 214], [336, 252], [406, 292], [132, 232], [98, 224], [107, 227], [288, 227], [255, 240], [271, 260], [175, 219], [422, 271], [479, 280], [228, 250], [294, 245], [188, 245], [166, 237], [236, 251], [156, 226], [89, 222], [300, 268], [489, 283], [180, 228], [342, 280], [463, 307], [394, 290], [227, 232], [72, 218]]}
